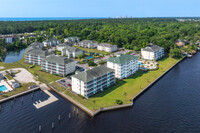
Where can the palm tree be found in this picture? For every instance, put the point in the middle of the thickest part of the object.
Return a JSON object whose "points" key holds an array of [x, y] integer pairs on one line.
{"points": [[125, 94], [94, 104]]}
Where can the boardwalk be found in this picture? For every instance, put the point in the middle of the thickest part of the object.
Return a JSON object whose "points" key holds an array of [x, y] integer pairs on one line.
{"points": [[51, 99]]}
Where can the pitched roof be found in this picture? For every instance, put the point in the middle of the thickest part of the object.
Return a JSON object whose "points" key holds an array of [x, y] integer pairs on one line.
{"points": [[90, 74], [123, 59], [58, 59], [72, 49], [151, 48], [51, 40], [37, 44], [107, 45], [64, 44], [88, 41], [36, 51]]}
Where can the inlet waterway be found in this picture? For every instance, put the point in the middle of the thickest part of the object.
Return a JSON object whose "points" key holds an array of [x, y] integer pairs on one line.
{"points": [[171, 105]]}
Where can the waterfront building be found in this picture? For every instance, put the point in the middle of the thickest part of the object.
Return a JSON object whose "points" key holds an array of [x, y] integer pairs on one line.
{"points": [[88, 44], [124, 65], [152, 52], [58, 65], [34, 55], [107, 47], [72, 39], [51, 42], [92, 81]]}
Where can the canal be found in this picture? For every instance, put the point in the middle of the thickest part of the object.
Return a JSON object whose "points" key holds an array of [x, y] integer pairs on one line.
{"points": [[171, 105]]}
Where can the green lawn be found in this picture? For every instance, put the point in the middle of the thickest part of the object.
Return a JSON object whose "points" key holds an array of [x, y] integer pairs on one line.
{"points": [[23, 88], [93, 50], [36, 70], [132, 86]]}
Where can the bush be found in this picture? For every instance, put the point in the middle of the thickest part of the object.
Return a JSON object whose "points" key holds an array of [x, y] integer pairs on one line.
{"points": [[91, 63], [102, 62], [119, 102]]}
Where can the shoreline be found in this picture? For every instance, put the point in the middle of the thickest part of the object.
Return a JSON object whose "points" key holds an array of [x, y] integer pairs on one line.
{"points": [[94, 113], [83, 107]]}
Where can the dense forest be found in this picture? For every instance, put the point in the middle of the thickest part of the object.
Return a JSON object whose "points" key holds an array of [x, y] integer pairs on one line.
{"points": [[132, 33]]}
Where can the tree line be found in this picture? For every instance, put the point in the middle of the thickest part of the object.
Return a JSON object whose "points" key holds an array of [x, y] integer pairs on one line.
{"points": [[132, 33]]}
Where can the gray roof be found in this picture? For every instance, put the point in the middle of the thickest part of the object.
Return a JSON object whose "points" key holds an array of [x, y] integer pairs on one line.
{"points": [[51, 40], [91, 74], [88, 41], [37, 44], [37, 52], [72, 49], [152, 48], [107, 45], [58, 59], [64, 44], [123, 59]]}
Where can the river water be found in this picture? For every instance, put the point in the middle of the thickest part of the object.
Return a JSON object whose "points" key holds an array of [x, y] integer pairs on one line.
{"points": [[171, 105]]}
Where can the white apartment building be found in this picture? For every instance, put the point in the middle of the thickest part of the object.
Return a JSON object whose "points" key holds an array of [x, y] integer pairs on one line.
{"points": [[107, 47], [51, 42], [152, 52], [88, 44], [93, 81], [69, 51], [124, 65], [59, 65]]}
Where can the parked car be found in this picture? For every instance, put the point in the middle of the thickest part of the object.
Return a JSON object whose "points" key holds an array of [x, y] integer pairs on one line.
{"points": [[69, 84]]}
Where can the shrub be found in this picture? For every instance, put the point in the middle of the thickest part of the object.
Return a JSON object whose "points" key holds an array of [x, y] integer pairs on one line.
{"points": [[91, 63], [119, 102]]}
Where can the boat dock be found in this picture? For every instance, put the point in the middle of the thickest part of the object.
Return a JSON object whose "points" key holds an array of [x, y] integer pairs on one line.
{"points": [[51, 99]]}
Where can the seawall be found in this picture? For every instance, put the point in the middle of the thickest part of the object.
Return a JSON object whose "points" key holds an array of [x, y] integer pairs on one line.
{"points": [[19, 94]]}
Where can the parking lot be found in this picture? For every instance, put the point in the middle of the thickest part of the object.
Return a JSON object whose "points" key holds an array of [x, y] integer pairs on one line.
{"points": [[66, 82]]}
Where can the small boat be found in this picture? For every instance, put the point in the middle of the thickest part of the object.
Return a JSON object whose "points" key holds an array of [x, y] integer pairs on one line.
{"points": [[189, 55]]}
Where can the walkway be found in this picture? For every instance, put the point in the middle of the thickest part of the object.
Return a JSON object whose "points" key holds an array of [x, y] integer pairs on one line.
{"points": [[51, 99]]}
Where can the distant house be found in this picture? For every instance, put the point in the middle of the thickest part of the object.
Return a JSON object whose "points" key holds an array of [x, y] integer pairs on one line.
{"points": [[9, 38], [51, 42], [107, 47], [88, 44], [152, 52], [59, 65], [180, 42], [72, 39], [15, 84]]}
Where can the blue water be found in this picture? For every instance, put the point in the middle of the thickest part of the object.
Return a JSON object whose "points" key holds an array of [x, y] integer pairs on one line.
{"points": [[47, 18], [13, 56], [3, 88], [89, 57], [140, 64]]}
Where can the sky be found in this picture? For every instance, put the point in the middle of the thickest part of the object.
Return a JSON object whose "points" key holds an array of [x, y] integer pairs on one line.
{"points": [[99, 8]]}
